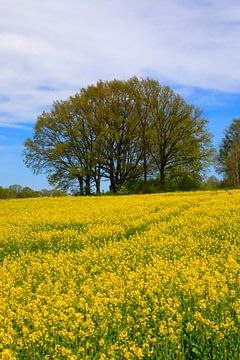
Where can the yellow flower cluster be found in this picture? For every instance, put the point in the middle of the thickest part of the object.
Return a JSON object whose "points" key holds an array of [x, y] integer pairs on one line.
{"points": [[124, 277]]}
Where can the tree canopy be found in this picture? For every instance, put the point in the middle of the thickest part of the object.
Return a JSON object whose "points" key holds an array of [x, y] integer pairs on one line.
{"points": [[229, 154], [120, 131]]}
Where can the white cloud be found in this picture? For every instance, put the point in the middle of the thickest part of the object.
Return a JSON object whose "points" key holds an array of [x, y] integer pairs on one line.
{"points": [[68, 44], [8, 124]]}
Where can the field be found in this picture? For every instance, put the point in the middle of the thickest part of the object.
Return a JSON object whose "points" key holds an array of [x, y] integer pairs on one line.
{"points": [[124, 277]]}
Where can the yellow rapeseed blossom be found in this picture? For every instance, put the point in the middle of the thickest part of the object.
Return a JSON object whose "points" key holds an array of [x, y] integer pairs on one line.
{"points": [[124, 277]]}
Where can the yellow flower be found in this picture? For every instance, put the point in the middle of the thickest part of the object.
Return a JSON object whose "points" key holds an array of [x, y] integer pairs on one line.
{"points": [[101, 342]]}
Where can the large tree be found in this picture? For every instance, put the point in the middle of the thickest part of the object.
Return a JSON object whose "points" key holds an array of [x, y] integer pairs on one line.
{"points": [[229, 154], [143, 92], [117, 126], [120, 131], [62, 146], [179, 141]]}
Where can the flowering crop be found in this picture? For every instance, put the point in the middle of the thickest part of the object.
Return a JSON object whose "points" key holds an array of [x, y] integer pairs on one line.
{"points": [[124, 277]]}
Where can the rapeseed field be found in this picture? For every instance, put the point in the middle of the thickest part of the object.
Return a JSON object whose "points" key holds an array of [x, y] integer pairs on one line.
{"points": [[124, 277]]}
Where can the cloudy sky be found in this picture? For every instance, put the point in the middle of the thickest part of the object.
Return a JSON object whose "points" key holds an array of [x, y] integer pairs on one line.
{"points": [[51, 48]]}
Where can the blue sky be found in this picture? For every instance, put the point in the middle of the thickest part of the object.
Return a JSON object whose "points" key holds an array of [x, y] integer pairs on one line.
{"points": [[50, 49]]}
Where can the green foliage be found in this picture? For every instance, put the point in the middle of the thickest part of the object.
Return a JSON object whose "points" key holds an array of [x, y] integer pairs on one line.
{"points": [[123, 190], [189, 182], [139, 187], [121, 131], [229, 155], [6, 193], [19, 192]]}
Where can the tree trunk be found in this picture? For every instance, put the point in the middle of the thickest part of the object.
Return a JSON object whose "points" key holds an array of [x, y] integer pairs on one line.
{"points": [[97, 179], [98, 185], [80, 181], [112, 178], [162, 177], [113, 185], [87, 187], [144, 172]]}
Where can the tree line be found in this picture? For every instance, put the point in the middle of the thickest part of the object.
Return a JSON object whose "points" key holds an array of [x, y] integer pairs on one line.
{"points": [[17, 191], [136, 134]]}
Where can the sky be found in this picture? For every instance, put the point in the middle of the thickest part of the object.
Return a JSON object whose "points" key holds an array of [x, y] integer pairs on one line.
{"points": [[49, 49]]}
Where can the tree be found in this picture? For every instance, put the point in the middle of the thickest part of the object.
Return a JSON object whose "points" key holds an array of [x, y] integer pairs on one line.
{"points": [[229, 154], [121, 131], [27, 192], [179, 143], [212, 182], [84, 140], [16, 189], [117, 127], [7, 193], [60, 146], [143, 91]]}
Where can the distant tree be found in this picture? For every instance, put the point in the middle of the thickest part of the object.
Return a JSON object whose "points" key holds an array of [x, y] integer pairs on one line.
{"points": [[229, 154], [16, 189], [27, 192], [233, 164], [212, 181], [7, 193], [45, 192], [57, 193]]}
